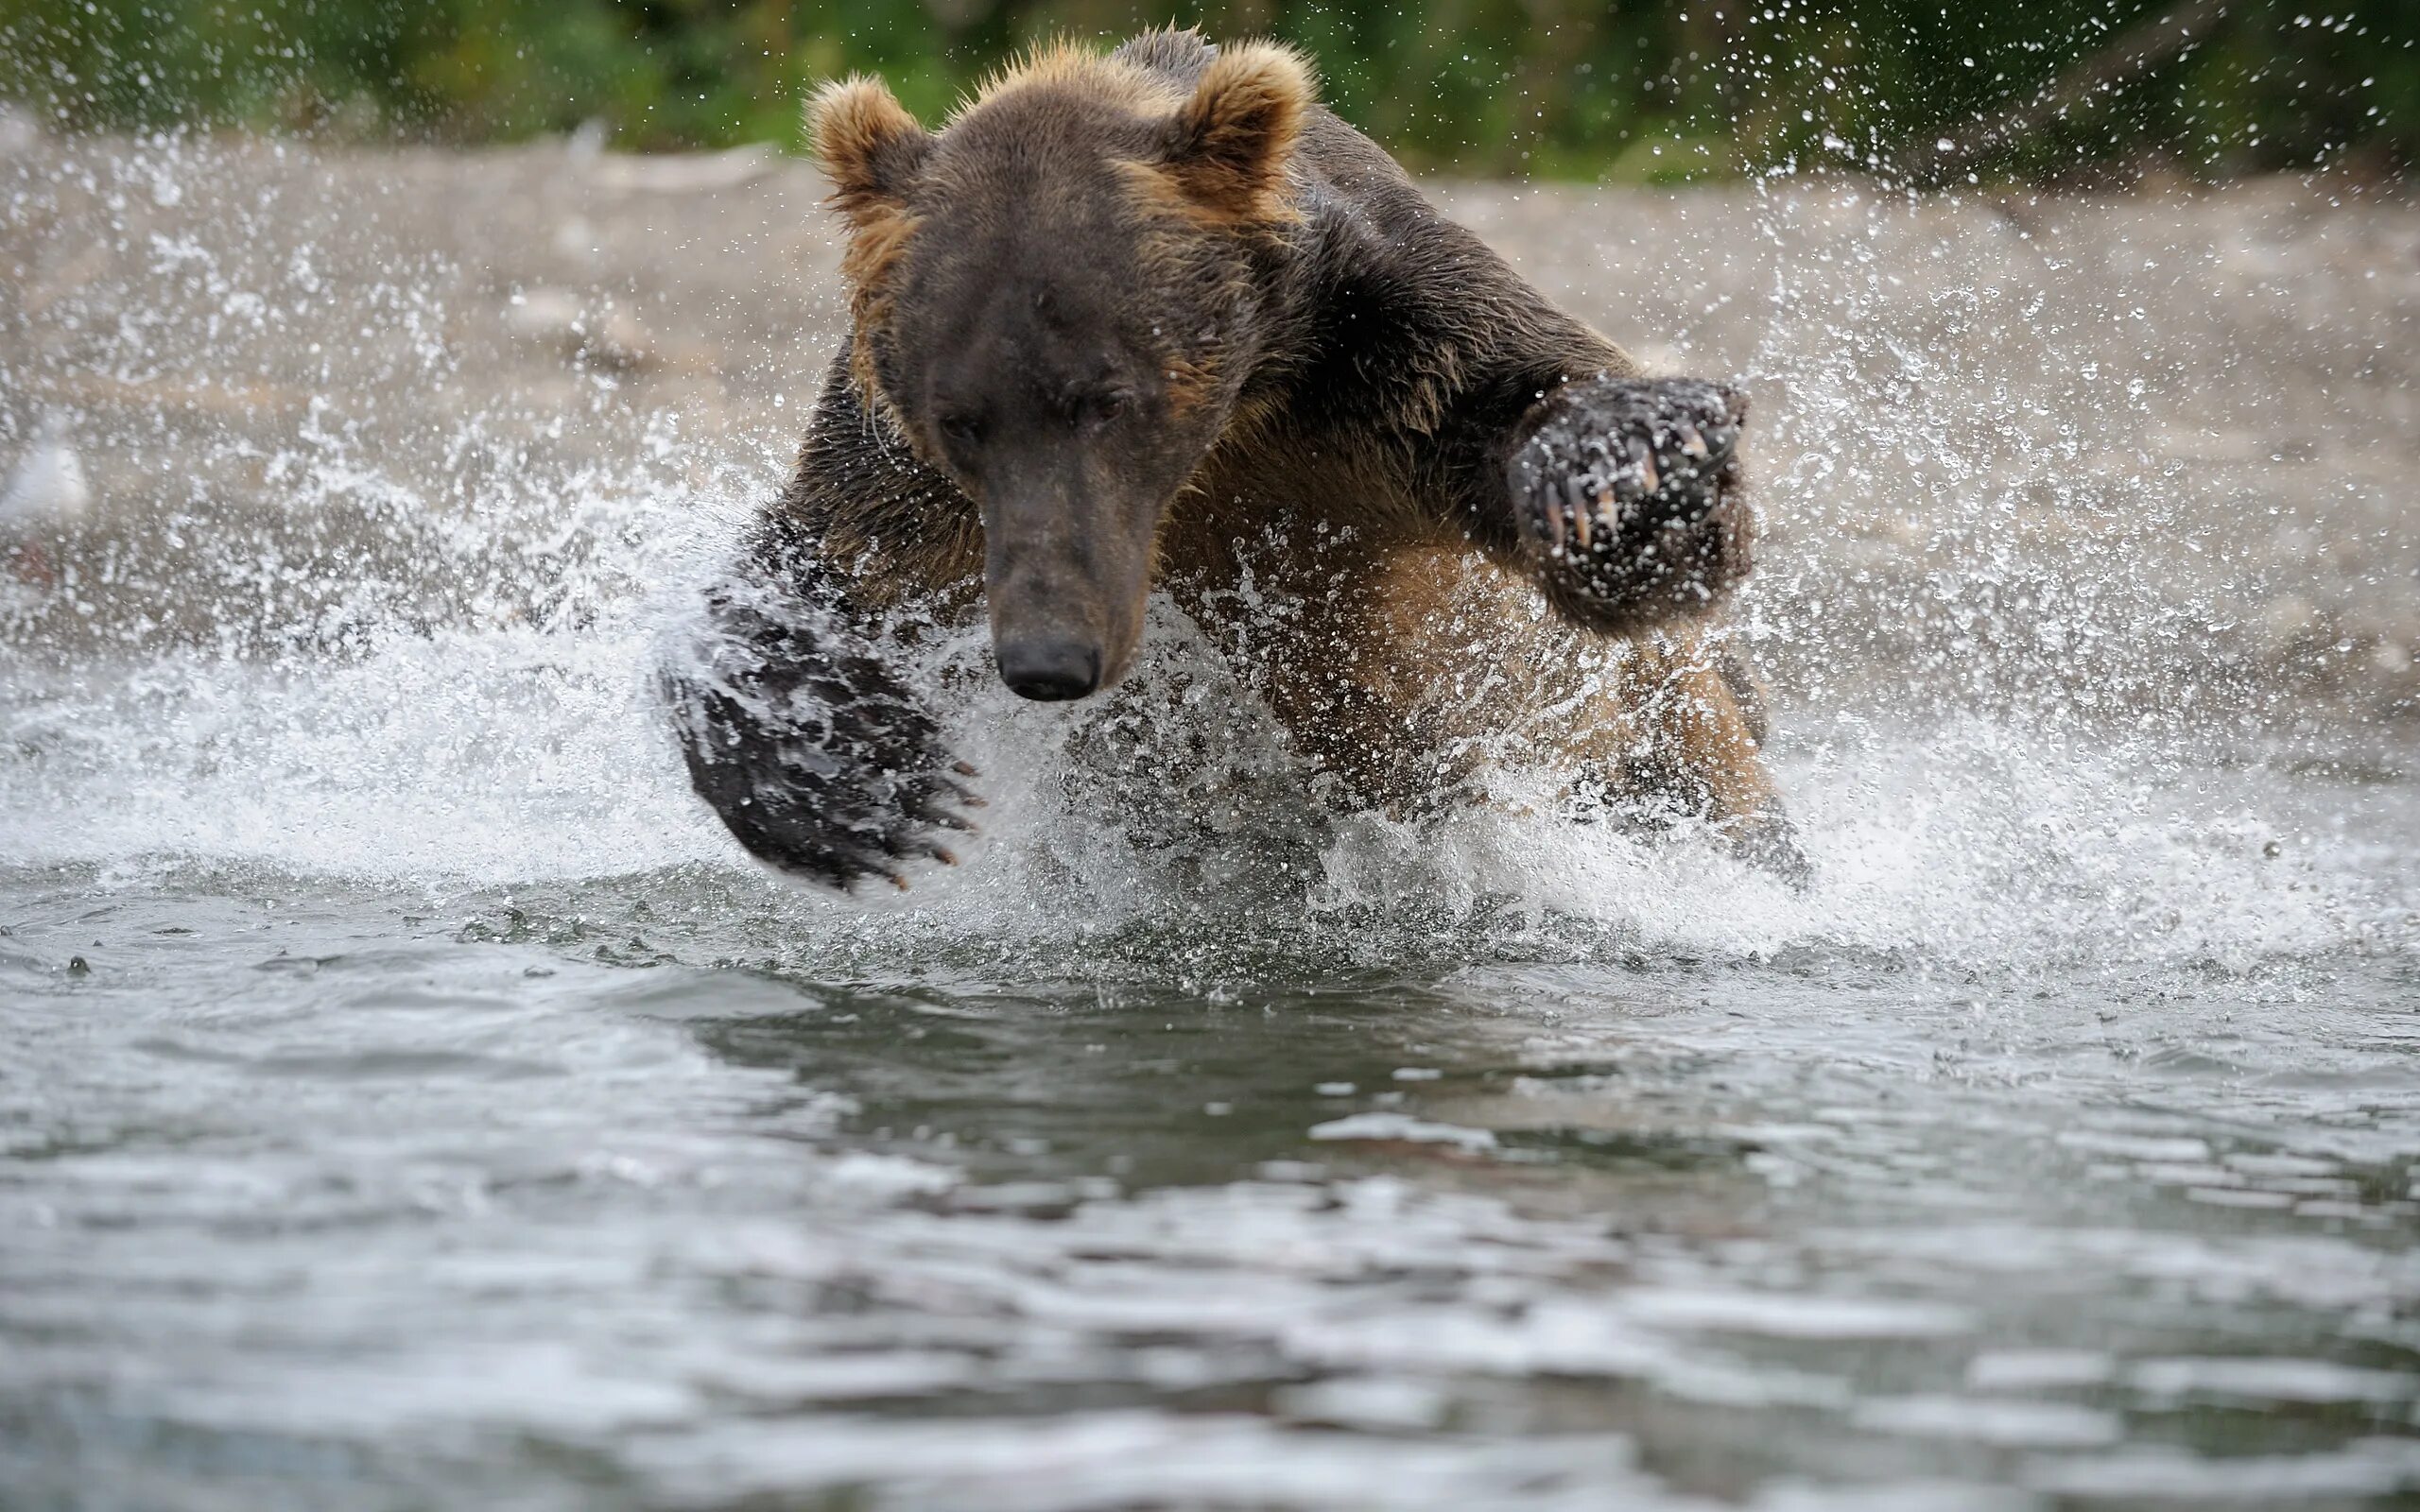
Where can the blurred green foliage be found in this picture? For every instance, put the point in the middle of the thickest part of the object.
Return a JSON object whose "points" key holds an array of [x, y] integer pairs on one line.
{"points": [[2079, 89]]}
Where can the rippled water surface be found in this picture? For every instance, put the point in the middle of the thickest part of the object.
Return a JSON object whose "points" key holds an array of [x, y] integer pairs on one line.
{"points": [[410, 1100]]}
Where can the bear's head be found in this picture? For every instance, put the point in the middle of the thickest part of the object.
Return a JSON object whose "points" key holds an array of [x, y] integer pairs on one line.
{"points": [[1056, 299]]}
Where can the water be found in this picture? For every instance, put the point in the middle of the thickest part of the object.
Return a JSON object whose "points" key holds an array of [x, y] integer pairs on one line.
{"points": [[411, 1100]]}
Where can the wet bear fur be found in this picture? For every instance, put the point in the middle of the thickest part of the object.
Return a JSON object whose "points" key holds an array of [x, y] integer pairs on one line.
{"points": [[1157, 319]]}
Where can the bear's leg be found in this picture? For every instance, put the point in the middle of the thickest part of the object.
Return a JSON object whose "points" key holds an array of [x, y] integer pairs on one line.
{"points": [[1397, 675], [1630, 515], [1626, 496], [1405, 675], [1700, 728], [797, 727], [800, 733]]}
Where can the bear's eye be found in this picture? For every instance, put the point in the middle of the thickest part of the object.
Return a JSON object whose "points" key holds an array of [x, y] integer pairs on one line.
{"points": [[1098, 409], [961, 429]]}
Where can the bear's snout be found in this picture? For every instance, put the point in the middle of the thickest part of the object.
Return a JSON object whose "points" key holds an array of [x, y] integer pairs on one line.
{"points": [[1049, 668]]}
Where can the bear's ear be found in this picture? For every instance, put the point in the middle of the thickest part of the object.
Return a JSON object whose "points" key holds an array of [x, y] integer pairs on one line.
{"points": [[1228, 144], [868, 145]]}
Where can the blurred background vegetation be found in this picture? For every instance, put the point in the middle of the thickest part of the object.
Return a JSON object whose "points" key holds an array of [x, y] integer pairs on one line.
{"points": [[2063, 91]]}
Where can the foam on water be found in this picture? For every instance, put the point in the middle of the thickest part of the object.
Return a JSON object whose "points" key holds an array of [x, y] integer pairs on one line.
{"points": [[488, 757]]}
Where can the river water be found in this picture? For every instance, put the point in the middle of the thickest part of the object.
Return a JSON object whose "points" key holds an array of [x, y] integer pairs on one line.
{"points": [[408, 1098]]}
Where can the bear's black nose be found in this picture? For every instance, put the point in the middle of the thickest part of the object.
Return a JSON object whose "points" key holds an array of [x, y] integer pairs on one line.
{"points": [[1049, 669]]}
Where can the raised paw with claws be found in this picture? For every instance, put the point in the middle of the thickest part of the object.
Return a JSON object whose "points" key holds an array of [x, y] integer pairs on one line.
{"points": [[1628, 495], [806, 742]]}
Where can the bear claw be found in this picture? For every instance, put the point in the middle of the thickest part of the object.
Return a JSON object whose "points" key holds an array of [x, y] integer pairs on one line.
{"points": [[1768, 842], [1625, 494], [819, 757]]}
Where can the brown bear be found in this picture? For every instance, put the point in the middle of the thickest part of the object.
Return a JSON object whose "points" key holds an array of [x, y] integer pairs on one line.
{"points": [[1158, 317]]}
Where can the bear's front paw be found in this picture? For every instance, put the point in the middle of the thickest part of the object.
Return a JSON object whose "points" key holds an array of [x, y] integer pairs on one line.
{"points": [[1768, 842], [1628, 495], [819, 759]]}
